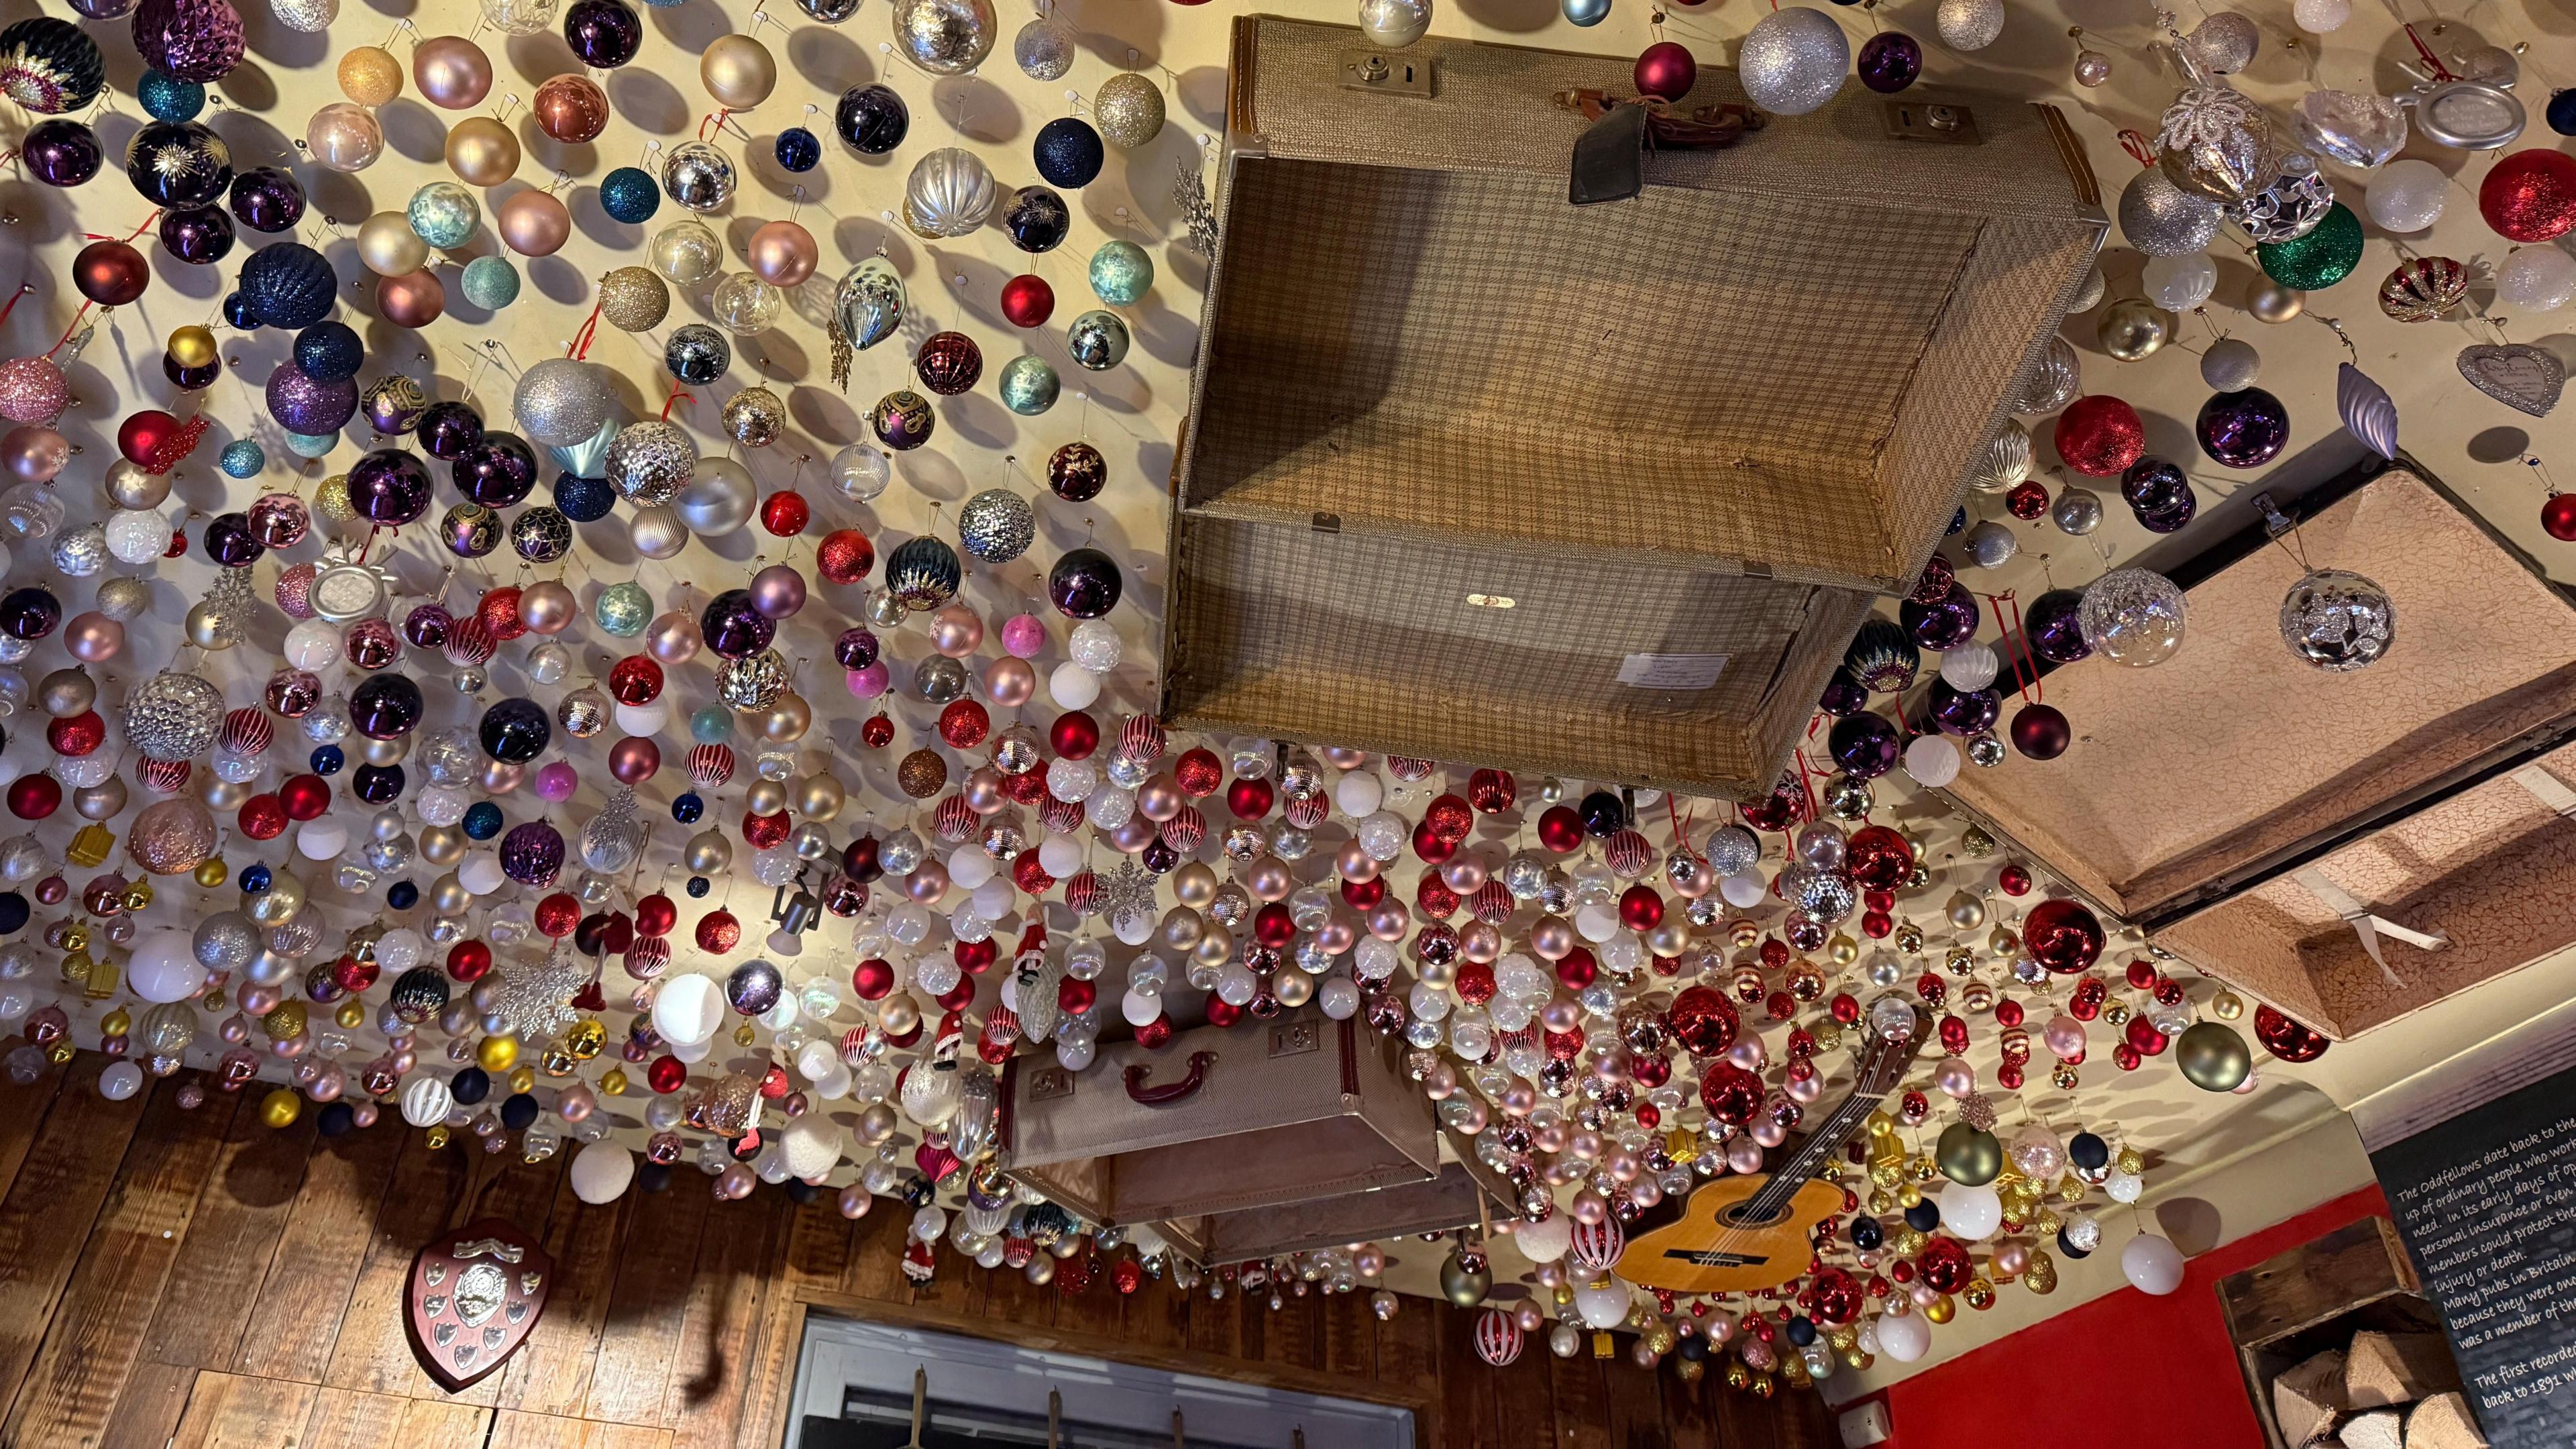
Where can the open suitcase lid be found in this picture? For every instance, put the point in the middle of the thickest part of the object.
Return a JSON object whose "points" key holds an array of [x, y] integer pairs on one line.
{"points": [[2235, 763]]}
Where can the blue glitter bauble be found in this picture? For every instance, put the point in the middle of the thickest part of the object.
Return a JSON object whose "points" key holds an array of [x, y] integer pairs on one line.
{"points": [[326, 760], [168, 98], [242, 458], [1069, 152], [799, 149], [583, 500], [629, 195], [698, 887], [711, 724], [311, 445], [490, 283], [482, 820], [329, 352], [288, 284], [688, 809]]}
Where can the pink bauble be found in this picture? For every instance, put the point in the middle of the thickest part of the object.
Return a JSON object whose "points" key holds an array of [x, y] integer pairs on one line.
{"points": [[557, 781], [956, 631], [1024, 635], [500, 777], [1159, 799], [94, 638], [927, 883], [778, 591], [1010, 682], [868, 683], [34, 453], [1132, 834], [33, 390], [633, 760], [452, 72], [533, 223], [783, 254], [1955, 1078], [673, 638]]}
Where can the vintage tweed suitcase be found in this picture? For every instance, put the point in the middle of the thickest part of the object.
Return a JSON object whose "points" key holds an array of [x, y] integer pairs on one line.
{"points": [[1471, 472], [2347, 847], [1232, 1144]]}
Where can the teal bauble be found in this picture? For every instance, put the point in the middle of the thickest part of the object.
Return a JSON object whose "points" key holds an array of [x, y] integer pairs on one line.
{"points": [[2322, 258], [711, 724], [491, 283], [167, 98], [311, 445], [623, 609], [1121, 273], [444, 215], [1097, 340], [242, 458], [1029, 386]]}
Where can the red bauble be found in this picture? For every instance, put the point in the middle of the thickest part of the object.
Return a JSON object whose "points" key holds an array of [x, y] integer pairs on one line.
{"points": [[81, 734], [1074, 735], [1878, 859], [1640, 909], [2062, 936], [2558, 515], [1491, 791], [2143, 1038], [305, 797], [718, 932], [1074, 997], [2040, 731], [844, 556], [655, 915], [33, 797], [144, 435], [2530, 196], [959, 996], [111, 273], [1435, 898], [260, 818], [1198, 772], [1730, 1093], [2027, 500], [668, 1074], [1428, 844], [1560, 829], [872, 979], [499, 611], [1250, 799], [964, 724], [1222, 1013], [558, 914], [2015, 879], [1703, 1021], [976, 957], [1665, 69], [468, 960], [1156, 1034], [1361, 895], [785, 513], [764, 832], [877, 733], [1027, 301], [1474, 982], [1578, 970], [2287, 1040], [1945, 1265], [635, 679], [2099, 436], [1450, 818], [1273, 926]]}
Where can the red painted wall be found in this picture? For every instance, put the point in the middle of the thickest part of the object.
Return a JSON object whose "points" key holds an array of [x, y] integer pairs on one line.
{"points": [[2115, 1373]]}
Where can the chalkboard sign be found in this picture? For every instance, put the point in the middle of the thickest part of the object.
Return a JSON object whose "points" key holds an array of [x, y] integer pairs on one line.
{"points": [[2487, 1204]]}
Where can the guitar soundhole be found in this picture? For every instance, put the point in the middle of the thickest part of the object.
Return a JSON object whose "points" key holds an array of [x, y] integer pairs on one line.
{"points": [[1743, 1215]]}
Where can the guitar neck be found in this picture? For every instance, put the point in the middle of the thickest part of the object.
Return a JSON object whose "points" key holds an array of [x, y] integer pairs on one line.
{"points": [[1826, 1140]]}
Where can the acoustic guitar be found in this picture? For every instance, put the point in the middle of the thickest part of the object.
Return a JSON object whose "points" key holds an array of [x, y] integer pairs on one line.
{"points": [[1744, 1234]]}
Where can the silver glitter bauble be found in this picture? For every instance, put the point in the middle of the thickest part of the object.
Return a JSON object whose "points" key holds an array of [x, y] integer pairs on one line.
{"points": [[124, 599], [939, 679], [2053, 383], [2076, 512], [996, 526], [2215, 144], [754, 417], [1128, 109], [1985, 750], [1826, 895], [1794, 60], [2290, 207], [312, 17], [1969, 24], [1733, 850], [1043, 49], [583, 713], [80, 552], [2163, 220], [2230, 365], [754, 681], [2223, 44], [944, 37], [698, 176], [173, 716], [648, 462], [2133, 616], [1990, 544], [2338, 621], [830, 12], [560, 402], [2005, 462], [226, 941]]}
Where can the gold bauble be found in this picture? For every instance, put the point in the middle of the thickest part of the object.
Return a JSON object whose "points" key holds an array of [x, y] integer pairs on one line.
{"points": [[442, 844], [634, 299], [192, 346], [1941, 1309], [1976, 842], [331, 502], [370, 76], [1965, 912], [102, 801], [787, 719], [765, 797], [90, 845], [1980, 1294], [2041, 1275], [1128, 109], [1690, 1370], [2227, 1006], [1195, 884], [1968, 1156], [2213, 1057], [1294, 988], [482, 151], [278, 904], [497, 1053], [350, 1013], [522, 1079], [2131, 1161], [612, 1083], [138, 896], [280, 1108], [1908, 937], [1908, 1195], [2003, 941], [708, 853], [220, 793], [898, 1013], [61, 1052], [76, 938], [743, 1035], [436, 1137], [1462, 1282], [1737, 1375], [2133, 329], [116, 1023], [173, 835], [738, 71], [388, 247], [206, 628], [449, 897], [2272, 302], [284, 1022], [2064, 1077], [921, 774], [820, 797]]}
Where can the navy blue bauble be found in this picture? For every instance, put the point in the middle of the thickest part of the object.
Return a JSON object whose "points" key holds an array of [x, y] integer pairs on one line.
{"points": [[329, 351], [652, 1177], [519, 1112], [629, 195], [402, 895], [1924, 1216], [254, 881], [237, 312], [482, 820], [337, 1119], [168, 98], [583, 500], [1069, 152], [326, 760], [470, 1086], [798, 149], [698, 887], [2562, 113], [288, 284], [688, 808], [13, 912], [871, 119]]}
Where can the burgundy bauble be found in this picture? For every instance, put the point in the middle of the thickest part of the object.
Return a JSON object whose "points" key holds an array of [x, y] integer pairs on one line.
{"points": [[2040, 732], [1666, 70], [2062, 936], [2288, 1040]]}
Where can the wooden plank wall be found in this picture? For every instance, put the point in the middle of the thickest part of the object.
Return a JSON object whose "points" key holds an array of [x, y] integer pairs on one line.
{"points": [[195, 1279]]}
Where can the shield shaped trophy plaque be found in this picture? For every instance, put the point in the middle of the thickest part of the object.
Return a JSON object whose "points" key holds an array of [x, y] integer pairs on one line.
{"points": [[473, 1296]]}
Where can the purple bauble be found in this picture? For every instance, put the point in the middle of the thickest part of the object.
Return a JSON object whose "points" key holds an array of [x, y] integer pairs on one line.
{"points": [[1865, 745], [389, 487], [391, 411], [193, 40], [604, 33], [377, 784], [1084, 584], [30, 613], [60, 152], [1843, 695], [778, 591], [532, 854], [2049, 625], [1890, 61], [2153, 485], [734, 626], [386, 706], [267, 199], [855, 649], [498, 471], [1946, 624], [2167, 520], [202, 235], [315, 409], [229, 541], [2244, 429], [754, 988], [1964, 712], [427, 626], [449, 430], [191, 379]]}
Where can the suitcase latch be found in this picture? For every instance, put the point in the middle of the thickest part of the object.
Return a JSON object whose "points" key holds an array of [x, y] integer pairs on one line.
{"points": [[1294, 1038], [1929, 121], [1375, 70], [1048, 1083]]}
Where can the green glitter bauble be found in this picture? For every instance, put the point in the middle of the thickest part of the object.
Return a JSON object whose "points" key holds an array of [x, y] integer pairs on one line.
{"points": [[311, 445], [491, 283], [444, 214], [623, 609], [1121, 273], [2321, 258], [1029, 386]]}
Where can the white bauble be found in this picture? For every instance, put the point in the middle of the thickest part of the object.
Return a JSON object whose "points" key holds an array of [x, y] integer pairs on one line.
{"points": [[688, 1009], [2406, 196], [601, 1172], [1905, 1339], [2536, 278], [426, 1101], [2152, 1263]]}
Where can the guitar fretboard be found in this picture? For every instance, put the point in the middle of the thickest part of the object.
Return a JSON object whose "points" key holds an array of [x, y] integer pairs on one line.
{"points": [[1829, 1136]]}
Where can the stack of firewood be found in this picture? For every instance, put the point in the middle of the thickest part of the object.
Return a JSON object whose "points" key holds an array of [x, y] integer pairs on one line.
{"points": [[2388, 1391]]}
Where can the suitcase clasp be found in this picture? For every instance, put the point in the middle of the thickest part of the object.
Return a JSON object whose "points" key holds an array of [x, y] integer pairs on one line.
{"points": [[1375, 70]]}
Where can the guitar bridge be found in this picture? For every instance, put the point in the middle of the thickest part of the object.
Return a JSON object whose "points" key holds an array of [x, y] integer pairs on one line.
{"points": [[1711, 1258]]}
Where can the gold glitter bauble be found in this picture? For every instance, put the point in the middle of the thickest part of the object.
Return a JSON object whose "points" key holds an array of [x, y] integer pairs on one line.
{"points": [[1128, 109], [634, 299], [922, 774], [174, 835], [331, 502], [284, 1022], [370, 76], [754, 417]]}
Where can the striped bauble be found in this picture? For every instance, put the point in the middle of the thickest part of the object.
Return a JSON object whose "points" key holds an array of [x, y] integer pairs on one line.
{"points": [[1498, 1338]]}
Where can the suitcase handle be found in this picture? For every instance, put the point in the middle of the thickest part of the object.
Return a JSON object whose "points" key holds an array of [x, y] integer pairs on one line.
{"points": [[1169, 1092]]}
